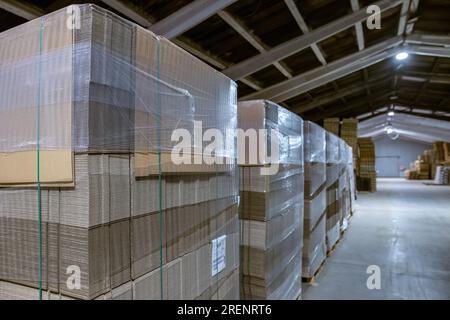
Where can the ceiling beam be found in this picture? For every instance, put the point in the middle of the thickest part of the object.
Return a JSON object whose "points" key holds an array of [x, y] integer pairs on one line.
{"points": [[428, 39], [415, 76], [358, 26], [325, 99], [412, 113], [410, 105], [130, 11], [305, 29], [429, 51], [316, 49], [239, 27], [403, 17], [332, 71], [295, 45], [21, 9], [378, 101], [188, 17], [425, 84]]}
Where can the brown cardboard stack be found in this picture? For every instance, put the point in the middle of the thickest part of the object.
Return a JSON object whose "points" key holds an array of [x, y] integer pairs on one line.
{"points": [[349, 133], [447, 151], [367, 176], [114, 206], [429, 157], [314, 227], [423, 169], [411, 174], [332, 125], [333, 205], [271, 205], [440, 156], [438, 148]]}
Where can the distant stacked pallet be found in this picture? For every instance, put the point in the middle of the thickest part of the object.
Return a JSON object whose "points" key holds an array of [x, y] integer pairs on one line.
{"points": [[119, 219], [440, 151], [349, 133], [366, 174], [332, 125], [442, 175], [271, 204], [422, 168], [314, 228], [425, 167]]}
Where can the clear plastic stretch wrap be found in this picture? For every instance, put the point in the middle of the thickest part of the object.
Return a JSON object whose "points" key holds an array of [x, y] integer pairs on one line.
{"points": [[333, 223], [346, 183], [343, 155], [314, 249], [333, 158], [271, 205], [315, 158], [90, 192], [352, 179], [334, 165]]}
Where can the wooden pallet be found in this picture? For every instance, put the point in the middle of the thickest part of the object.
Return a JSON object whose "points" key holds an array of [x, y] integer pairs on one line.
{"points": [[312, 279], [333, 248]]}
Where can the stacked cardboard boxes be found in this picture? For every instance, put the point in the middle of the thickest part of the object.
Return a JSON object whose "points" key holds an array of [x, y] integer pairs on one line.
{"points": [[438, 148], [334, 167], [442, 175], [314, 227], [116, 217], [271, 203], [440, 156], [349, 133], [366, 175], [332, 125], [422, 168]]}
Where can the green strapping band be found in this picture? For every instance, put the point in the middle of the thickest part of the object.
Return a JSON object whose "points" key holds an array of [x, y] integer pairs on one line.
{"points": [[38, 156], [158, 124]]}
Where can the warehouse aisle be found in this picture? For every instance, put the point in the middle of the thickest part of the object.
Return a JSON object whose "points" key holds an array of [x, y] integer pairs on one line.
{"points": [[404, 229]]}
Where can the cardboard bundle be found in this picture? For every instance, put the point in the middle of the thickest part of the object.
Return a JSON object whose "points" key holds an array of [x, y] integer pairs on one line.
{"points": [[314, 245], [411, 174], [119, 218], [447, 151], [438, 148], [332, 125], [442, 175], [366, 179], [422, 168], [349, 132], [271, 204]]}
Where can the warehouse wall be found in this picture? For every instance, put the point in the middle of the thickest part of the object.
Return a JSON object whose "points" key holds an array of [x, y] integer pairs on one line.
{"points": [[394, 156]]}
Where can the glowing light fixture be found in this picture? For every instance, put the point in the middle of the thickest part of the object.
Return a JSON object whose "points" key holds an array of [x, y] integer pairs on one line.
{"points": [[402, 55], [391, 113]]}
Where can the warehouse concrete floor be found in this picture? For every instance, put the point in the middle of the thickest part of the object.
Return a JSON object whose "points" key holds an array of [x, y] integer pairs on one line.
{"points": [[404, 228]]}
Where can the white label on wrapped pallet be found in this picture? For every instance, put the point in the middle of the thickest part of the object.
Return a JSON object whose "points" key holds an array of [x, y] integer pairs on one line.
{"points": [[219, 251]]}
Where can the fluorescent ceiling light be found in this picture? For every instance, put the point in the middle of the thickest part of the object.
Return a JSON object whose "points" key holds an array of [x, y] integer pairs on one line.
{"points": [[401, 55], [391, 113]]}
